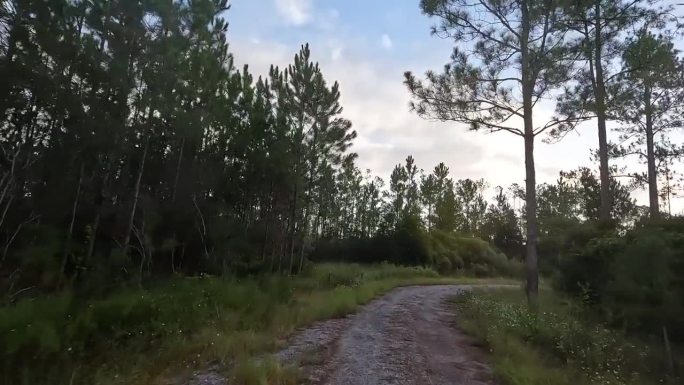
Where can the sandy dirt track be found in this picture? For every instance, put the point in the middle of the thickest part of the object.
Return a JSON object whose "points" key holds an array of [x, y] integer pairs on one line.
{"points": [[406, 337]]}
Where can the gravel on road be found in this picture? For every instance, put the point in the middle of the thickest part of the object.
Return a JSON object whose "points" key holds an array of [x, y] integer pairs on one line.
{"points": [[407, 337]]}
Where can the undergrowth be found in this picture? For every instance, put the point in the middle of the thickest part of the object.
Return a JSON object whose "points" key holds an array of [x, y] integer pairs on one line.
{"points": [[160, 334], [562, 344]]}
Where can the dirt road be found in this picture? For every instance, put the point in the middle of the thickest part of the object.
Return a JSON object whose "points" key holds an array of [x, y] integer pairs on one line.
{"points": [[407, 337]]}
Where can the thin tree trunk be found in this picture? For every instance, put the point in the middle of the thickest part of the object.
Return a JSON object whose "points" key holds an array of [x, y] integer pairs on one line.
{"points": [[93, 235], [14, 235], [650, 158], [178, 167], [668, 187], [531, 259], [143, 251], [4, 211], [600, 95], [136, 195], [202, 231], [668, 351], [70, 234], [173, 200], [98, 213], [293, 226]]}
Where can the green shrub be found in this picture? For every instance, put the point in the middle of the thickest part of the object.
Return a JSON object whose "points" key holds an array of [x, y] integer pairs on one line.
{"points": [[60, 329], [406, 245], [564, 334], [565, 238], [444, 265], [587, 272], [45, 340], [457, 252], [647, 287], [634, 280]]}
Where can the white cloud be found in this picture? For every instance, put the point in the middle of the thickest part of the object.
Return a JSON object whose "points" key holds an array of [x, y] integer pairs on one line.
{"points": [[336, 53], [386, 41], [376, 102], [326, 20], [335, 46], [295, 12]]}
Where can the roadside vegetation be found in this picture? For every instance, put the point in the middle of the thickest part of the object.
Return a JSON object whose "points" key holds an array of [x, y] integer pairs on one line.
{"points": [[137, 336], [564, 343], [612, 314], [162, 210]]}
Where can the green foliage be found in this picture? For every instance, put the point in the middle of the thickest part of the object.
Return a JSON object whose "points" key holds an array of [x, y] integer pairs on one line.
{"points": [[452, 252], [406, 245], [561, 342], [502, 227], [632, 280], [266, 372], [331, 275], [588, 270], [133, 332], [646, 289]]}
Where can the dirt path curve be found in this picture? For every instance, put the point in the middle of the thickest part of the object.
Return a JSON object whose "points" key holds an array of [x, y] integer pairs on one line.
{"points": [[406, 337]]}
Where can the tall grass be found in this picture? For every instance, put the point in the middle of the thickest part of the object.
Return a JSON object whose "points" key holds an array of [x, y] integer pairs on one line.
{"points": [[563, 344], [154, 335]]}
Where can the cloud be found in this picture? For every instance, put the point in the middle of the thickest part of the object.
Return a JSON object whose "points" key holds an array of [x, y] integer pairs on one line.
{"points": [[295, 12], [326, 20], [376, 102], [336, 48], [336, 53], [386, 41]]}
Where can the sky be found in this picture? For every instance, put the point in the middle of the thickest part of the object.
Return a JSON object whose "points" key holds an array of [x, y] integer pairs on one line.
{"points": [[367, 46]]}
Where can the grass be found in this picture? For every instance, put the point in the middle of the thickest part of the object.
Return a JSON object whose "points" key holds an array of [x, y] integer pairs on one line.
{"points": [[562, 344], [162, 334]]}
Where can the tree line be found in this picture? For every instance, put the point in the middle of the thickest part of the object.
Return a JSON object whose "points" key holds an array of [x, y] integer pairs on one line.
{"points": [[132, 147]]}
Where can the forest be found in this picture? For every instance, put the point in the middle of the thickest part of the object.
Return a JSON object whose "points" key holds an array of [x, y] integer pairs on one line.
{"points": [[134, 153]]}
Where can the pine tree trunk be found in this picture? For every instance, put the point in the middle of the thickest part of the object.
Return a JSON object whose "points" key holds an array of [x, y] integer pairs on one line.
{"points": [[173, 200], [178, 167], [293, 228], [98, 214], [70, 233], [600, 95], [531, 258], [653, 201], [136, 195], [93, 235]]}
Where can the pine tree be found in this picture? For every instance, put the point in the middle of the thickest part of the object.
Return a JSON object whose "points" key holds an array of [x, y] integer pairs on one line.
{"points": [[501, 47], [600, 25], [650, 97]]}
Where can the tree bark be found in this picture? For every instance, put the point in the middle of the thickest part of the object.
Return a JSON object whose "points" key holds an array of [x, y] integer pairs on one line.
{"points": [[653, 202], [178, 168], [600, 95], [173, 200], [67, 243], [136, 195], [531, 258], [293, 227], [98, 214]]}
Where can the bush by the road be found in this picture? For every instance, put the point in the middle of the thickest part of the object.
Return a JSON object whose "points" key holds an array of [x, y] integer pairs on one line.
{"points": [[133, 335], [635, 281], [564, 344]]}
